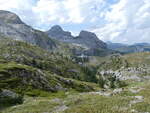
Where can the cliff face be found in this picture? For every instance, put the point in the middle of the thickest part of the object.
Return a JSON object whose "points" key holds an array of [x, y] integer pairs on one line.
{"points": [[11, 26], [90, 40]]}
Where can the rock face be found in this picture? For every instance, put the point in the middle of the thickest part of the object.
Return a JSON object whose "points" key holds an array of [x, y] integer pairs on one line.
{"points": [[11, 26], [85, 38], [90, 40], [8, 17]]}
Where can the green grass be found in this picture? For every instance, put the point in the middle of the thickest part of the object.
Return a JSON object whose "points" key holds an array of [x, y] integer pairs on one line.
{"points": [[40, 93], [43, 103], [137, 59], [85, 102], [144, 106], [33, 105], [13, 65], [97, 104], [75, 103]]}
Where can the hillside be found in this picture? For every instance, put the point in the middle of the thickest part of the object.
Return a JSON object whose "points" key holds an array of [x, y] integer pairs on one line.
{"points": [[25, 67], [134, 96], [31, 55]]}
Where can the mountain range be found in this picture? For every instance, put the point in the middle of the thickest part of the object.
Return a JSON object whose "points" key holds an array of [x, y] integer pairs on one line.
{"points": [[86, 42], [125, 48], [12, 26], [85, 38]]}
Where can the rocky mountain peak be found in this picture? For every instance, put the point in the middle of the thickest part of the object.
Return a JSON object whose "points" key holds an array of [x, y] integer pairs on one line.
{"points": [[85, 38], [56, 28], [87, 34], [57, 32], [91, 40], [9, 17]]}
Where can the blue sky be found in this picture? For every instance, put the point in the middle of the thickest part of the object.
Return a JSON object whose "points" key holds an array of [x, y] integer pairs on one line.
{"points": [[125, 21]]}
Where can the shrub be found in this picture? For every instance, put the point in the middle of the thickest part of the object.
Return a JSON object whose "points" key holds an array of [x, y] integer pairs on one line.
{"points": [[90, 73], [110, 81]]}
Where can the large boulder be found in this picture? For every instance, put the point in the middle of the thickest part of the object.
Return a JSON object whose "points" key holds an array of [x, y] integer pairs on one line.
{"points": [[8, 98]]}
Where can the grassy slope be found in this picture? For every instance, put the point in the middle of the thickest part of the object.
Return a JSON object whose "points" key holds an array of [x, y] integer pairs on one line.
{"points": [[119, 103], [138, 58], [34, 56], [135, 59], [21, 62], [88, 103]]}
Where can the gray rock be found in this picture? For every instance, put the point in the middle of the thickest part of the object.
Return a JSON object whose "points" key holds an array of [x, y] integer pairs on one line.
{"points": [[90, 40], [8, 93], [12, 27], [107, 94], [8, 98], [139, 97], [117, 91]]}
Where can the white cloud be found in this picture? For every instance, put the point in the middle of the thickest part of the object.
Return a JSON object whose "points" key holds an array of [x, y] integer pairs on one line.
{"points": [[65, 11], [44, 13], [60, 11], [127, 21], [7, 4], [15, 4], [73, 9]]}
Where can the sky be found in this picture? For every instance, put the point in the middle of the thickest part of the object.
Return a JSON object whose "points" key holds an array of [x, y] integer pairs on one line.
{"points": [[122, 21]]}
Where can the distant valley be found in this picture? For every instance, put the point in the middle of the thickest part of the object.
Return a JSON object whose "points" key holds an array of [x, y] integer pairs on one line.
{"points": [[125, 49]]}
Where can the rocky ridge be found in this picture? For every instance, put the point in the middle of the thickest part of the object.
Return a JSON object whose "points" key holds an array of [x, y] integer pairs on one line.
{"points": [[12, 26], [85, 38]]}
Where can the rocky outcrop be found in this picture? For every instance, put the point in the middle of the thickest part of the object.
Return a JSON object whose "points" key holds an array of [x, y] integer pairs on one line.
{"points": [[8, 98], [108, 79], [11, 26], [22, 77], [130, 73]]}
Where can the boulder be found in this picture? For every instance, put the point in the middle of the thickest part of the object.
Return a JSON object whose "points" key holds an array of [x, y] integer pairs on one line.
{"points": [[8, 98]]}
